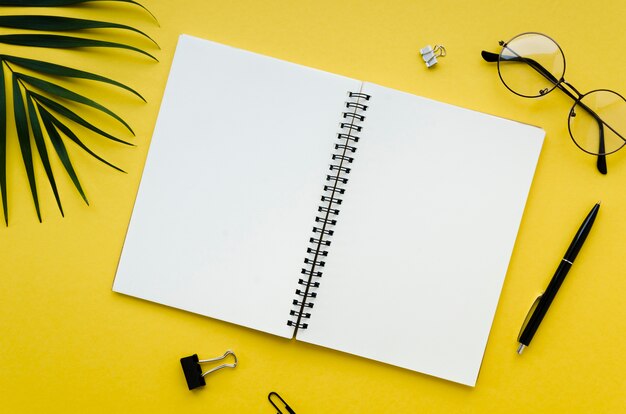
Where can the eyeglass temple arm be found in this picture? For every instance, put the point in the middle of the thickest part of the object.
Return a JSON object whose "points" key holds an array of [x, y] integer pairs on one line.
{"points": [[494, 57], [601, 162]]}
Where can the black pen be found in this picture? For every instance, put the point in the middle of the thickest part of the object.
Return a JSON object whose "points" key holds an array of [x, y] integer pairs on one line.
{"points": [[544, 300]]}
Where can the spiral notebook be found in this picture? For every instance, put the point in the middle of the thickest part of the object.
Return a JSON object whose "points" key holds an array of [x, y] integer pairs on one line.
{"points": [[342, 213]]}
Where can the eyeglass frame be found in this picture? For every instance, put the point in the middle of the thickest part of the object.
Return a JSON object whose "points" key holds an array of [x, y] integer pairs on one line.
{"points": [[559, 84]]}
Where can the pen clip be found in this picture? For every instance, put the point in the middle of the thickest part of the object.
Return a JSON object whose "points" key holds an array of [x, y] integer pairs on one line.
{"points": [[287, 407], [529, 314]]}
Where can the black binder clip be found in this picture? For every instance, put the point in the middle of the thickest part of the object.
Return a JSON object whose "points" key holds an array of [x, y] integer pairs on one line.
{"points": [[287, 407], [193, 371]]}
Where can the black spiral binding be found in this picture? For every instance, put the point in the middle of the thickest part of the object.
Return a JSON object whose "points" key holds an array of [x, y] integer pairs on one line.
{"points": [[350, 126]]}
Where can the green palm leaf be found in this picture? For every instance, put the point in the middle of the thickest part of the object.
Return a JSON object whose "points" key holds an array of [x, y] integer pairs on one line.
{"points": [[23, 135], [40, 144], [62, 110], [62, 92], [61, 24], [63, 42], [59, 70], [61, 151], [71, 135], [57, 3], [3, 147]]}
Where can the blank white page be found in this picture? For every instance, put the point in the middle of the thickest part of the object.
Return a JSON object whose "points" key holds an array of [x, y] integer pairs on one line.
{"points": [[424, 235], [231, 184]]}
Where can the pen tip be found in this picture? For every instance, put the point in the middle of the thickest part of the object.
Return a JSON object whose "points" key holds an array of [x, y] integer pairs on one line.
{"points": [[520, 348], [599, 202]]}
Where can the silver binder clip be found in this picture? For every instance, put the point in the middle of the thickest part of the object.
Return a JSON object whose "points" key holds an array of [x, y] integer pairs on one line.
{"points": [[430, 54]]}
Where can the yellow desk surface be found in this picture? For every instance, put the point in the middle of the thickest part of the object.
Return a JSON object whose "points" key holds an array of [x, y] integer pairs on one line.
{"points": [[69, 344]]}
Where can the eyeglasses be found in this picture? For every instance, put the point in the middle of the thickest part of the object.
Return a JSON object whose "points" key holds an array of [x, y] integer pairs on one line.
{"points": [[532, 65]]}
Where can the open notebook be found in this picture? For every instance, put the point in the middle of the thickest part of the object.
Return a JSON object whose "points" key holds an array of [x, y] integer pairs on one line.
{"points": [[353, 216]]}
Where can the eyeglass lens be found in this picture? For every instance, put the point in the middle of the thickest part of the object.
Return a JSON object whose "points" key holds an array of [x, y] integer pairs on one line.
{"points": [[531, 64], [600, 113]]}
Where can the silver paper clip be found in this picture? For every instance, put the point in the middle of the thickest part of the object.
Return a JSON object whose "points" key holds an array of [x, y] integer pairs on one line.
{"points": [[430, 54]]}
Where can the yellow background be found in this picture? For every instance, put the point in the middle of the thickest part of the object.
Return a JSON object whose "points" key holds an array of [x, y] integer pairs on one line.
{"points": [[69, 344]]}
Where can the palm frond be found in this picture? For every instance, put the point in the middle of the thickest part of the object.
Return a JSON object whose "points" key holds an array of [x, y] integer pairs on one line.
{"points": [[58, 3], [65, 93], [73, 116], [64, 71], [62, 24], [23, 136], [61, 151], [72, 136], [3, 147], [40, 144], [64, 42], [41, 106]]}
